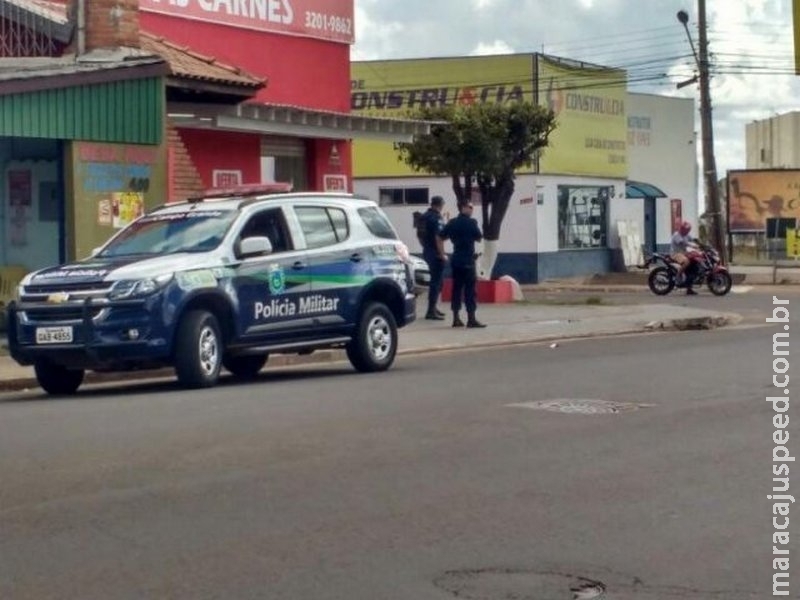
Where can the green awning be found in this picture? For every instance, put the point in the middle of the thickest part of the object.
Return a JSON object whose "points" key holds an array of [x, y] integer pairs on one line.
{"points": [[639, 189]]}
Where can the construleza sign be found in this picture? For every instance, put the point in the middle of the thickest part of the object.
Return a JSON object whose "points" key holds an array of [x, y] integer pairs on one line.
{"points": [[323, 19]]}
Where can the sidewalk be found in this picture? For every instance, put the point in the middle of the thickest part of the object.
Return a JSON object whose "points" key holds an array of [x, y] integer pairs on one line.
{"points": [[508, 324], [636, 279]]}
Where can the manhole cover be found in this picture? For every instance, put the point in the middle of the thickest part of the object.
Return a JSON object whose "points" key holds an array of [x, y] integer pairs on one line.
{"points": [[578, 406], [523, 584]]}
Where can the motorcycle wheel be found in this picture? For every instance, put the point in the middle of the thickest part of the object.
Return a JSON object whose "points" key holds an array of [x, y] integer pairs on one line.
{"points": [[719, 283], [661, 281]]}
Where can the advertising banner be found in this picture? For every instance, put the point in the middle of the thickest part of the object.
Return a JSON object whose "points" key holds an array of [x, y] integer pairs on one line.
{"points": [[113, 184], [757, 195], [322, 19], [592, 133], [675, 213], [792, 243], [396, 88]]}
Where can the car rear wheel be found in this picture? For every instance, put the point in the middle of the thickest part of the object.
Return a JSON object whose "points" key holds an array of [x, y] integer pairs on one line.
{"points": [[374, 344], [57, 380], [198, 350], [245, 367]]}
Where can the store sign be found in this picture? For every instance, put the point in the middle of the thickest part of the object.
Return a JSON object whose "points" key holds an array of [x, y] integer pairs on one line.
{"points": [[322, 19], [334, 183], [226, 178], [675, 214], [592, 133]]}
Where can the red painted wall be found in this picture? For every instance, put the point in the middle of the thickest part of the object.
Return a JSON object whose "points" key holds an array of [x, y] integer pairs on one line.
{"points": [[224, 150], [301, 71], [325, 162]]}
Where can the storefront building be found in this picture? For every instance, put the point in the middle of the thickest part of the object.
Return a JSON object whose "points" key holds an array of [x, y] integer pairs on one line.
{"points": [[80, 140], [147, 103], [298, 126], [618, 167]]}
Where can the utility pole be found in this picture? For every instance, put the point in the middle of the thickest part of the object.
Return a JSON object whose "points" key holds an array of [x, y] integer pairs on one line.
{"points": [[709, 161]]}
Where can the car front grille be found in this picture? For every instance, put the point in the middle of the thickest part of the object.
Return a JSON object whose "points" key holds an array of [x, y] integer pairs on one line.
{"points": [[59, 313]]}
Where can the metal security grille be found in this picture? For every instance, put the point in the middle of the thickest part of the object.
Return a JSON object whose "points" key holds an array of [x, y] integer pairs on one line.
{"points": [[30, 28]]}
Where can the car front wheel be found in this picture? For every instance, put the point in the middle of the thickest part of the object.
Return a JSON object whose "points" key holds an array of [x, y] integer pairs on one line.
{"points": [[57, 380], [245, 367], [198, 350]]}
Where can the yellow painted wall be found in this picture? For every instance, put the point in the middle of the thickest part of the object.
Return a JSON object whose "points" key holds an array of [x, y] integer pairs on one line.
{"points": [[592, 132], [590, 104]]}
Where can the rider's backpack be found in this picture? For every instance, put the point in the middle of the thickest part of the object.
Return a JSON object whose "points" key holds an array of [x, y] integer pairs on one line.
{"points": [[419, 226]]}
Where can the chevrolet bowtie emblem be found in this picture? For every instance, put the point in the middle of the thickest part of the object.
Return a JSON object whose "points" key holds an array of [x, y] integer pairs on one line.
{"points": [[58, 298]]}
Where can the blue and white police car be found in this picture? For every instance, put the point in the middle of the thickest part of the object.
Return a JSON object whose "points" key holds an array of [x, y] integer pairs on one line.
{"points": [[221, 282]]}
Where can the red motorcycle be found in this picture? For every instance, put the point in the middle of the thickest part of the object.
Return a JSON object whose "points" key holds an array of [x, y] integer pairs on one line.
{"points": [[708, 269]]}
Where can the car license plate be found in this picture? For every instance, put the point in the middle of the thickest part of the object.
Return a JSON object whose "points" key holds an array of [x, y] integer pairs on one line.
{"points": [[53, 335]]}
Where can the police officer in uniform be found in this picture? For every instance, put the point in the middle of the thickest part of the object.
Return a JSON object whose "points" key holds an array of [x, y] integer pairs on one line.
{"points": [[433, 253], [463, 231]]}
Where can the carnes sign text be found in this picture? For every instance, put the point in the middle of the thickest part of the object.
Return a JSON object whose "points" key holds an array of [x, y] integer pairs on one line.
{"points": [[432, 97]]}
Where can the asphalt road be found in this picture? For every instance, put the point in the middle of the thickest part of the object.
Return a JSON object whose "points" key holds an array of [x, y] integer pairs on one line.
{"points": [[425, 482]]}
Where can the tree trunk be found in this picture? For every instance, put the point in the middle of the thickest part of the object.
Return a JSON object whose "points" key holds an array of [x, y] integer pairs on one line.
{"points": [[494, 206]]}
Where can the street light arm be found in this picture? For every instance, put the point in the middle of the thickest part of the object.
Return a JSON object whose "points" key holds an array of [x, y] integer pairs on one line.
{"points": [[691, 44]]}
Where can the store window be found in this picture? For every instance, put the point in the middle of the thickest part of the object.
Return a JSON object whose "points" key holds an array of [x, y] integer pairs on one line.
{"points": [[583, 216], [413, 196], [285, 160]]}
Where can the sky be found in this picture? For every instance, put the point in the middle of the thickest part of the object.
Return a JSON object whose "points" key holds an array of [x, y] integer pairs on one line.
{"points": [[751, 47]]}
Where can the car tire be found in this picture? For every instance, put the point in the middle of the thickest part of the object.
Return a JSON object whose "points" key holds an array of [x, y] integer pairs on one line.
{"points": [[374, 344], [198, 350], [245, 367], [57, 380]]}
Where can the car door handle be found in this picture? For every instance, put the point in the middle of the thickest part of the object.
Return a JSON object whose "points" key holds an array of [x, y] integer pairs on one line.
{"points": [[297, 265], [356, 257]]}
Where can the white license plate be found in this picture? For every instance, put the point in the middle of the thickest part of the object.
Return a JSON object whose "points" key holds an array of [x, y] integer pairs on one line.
{"points": [[53, 335]]}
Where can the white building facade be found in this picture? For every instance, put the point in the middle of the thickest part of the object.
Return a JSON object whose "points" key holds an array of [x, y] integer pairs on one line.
{"points": [[627, 165]]}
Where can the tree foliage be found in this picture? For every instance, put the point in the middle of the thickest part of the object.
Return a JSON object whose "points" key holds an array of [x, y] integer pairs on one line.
{"points": [[481, 145]]}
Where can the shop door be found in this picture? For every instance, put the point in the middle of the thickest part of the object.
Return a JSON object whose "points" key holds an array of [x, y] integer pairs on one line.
{"points": [[649, 225], [33, 211]]}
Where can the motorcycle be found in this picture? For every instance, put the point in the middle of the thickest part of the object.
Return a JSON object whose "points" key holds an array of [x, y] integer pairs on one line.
{"points": [[709, 270]]}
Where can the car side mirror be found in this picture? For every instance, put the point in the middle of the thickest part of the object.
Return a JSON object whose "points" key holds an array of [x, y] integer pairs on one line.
{"points": [[254, 246]]}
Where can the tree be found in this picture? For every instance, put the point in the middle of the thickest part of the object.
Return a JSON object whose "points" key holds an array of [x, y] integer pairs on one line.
{"points": [[481, 146]]}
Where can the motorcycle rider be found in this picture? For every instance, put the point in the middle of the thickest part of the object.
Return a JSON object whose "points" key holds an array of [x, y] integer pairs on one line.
{"points": [[678, 251]]}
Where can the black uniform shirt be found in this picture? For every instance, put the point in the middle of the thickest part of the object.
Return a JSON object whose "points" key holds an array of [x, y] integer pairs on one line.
{"points": [[463, 231]]}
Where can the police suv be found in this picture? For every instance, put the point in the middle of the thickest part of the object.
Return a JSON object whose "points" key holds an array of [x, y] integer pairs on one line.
{"points": [[221, 282]]}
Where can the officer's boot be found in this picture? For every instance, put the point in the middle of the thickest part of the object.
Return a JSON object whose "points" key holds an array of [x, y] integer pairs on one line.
{"points": [[472, 322], [457, 322]]}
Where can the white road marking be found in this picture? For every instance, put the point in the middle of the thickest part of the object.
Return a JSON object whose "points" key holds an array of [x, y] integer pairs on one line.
{"points": [[741, 289]]}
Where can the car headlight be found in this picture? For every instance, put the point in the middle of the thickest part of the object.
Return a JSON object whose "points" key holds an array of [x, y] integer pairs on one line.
{"points": [[136, 288]]}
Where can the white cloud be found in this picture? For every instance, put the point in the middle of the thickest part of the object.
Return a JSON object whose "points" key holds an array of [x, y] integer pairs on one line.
{"points": [[495, 47]]}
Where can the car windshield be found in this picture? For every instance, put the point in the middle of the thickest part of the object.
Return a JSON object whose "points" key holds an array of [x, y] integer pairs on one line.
{"points": [[170, 233]]}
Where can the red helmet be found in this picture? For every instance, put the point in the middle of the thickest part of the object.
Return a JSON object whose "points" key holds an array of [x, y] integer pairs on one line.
{"points": [[685, 228]]}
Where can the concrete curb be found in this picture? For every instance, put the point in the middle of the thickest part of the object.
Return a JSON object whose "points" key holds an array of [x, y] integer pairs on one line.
{"points": [[332, 356], [695, 323]]}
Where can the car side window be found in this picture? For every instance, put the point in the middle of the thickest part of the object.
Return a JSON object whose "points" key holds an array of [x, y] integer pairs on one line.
{"points": [[322, 226], [271, 224], [377, 223]]}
